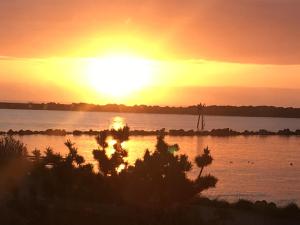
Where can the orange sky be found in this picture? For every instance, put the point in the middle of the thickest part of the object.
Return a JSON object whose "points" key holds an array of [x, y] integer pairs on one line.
{"points": [[237, 52]]}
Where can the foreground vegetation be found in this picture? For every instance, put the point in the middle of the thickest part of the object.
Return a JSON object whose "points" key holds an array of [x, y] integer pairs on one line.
{"points": [[48, 188]]}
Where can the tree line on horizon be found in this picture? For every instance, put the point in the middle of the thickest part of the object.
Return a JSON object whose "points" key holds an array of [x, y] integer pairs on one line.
{"points": [[247, 111]]}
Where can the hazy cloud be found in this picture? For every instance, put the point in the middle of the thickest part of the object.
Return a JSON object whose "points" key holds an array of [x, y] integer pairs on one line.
{"points": [[249, 31]]}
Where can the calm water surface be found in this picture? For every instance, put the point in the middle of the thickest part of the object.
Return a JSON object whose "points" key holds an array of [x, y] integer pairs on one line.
{"points": [[41, 120], [254, 168]]}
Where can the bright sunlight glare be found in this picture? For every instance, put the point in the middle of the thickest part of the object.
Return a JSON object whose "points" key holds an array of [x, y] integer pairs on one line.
{"points": [[117, 123], [119, 75]]}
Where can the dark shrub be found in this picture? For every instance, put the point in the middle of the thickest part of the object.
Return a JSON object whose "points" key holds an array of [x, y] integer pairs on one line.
{"points": [[11, 149], [159, 179]]}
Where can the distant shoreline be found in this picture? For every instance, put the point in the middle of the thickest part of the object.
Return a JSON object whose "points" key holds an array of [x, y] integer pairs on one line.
{"points": [[213, 110], [226, 132]]}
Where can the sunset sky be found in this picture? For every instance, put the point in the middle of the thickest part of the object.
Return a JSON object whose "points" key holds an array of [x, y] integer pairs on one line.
{"points": [[170, 52]]}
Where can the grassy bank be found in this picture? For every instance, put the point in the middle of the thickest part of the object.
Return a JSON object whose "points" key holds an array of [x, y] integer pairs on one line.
{"points": [[200, 211]]}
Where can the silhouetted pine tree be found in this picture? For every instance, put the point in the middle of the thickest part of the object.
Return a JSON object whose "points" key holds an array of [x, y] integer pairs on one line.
{"points": [[160, 178]]}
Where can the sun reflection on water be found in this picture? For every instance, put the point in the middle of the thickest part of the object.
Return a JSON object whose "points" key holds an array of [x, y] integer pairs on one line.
{"points": [[117, 123], [110, 149]]}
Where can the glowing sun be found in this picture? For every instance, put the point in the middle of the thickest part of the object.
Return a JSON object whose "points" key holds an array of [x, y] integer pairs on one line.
{"points": [[119, 75]]}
